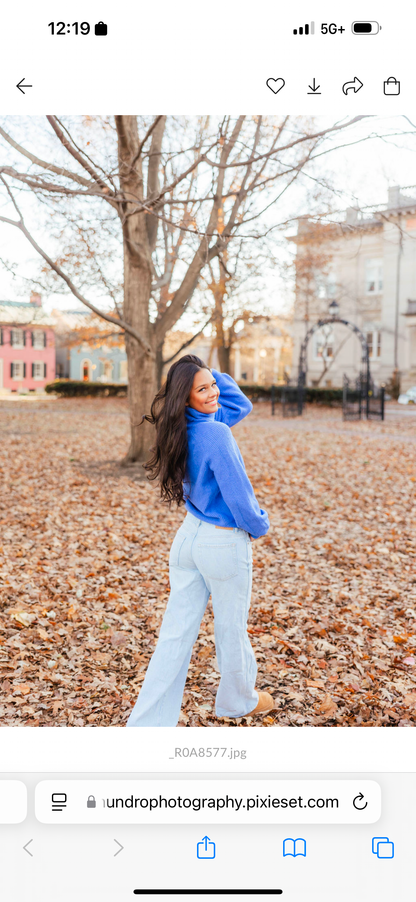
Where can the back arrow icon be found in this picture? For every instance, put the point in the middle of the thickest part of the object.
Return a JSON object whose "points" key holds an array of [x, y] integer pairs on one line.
{"points": [[352, 85], [21, 86], [26, 848]]}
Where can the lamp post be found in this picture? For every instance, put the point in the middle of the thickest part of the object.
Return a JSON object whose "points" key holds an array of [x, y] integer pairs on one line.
{"points": [[333, 309]]}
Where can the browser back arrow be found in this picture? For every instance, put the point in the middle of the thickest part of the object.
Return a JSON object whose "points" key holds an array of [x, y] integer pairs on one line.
{"points": [[352, 85], [21, 86], [26, 848]]}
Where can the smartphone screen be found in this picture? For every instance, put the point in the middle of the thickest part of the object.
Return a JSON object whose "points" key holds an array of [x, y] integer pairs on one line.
{"points": [[207, 455]]}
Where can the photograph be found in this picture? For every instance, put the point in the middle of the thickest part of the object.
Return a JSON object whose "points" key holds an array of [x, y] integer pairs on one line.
{"points": [[207, 421]]}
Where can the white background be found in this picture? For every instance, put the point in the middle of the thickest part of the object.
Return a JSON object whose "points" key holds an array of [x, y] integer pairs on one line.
{"points": [[80, 862], [318, 749], [191, 58]]}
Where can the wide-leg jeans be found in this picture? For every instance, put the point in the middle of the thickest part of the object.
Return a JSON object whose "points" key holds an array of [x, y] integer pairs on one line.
{"points": [[203, 561]]}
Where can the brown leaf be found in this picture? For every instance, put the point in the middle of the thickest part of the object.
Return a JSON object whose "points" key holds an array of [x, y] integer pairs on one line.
{"points": [[328, 706]]}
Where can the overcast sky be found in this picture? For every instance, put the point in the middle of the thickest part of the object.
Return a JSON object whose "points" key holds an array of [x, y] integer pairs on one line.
{"points": [[362, 173]]}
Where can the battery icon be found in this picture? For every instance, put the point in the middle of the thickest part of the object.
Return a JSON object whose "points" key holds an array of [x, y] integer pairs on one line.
{"points": [[365, 27]]}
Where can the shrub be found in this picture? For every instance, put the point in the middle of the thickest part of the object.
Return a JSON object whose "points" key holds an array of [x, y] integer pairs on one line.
{"points": [[71, 388], [329, 396]]}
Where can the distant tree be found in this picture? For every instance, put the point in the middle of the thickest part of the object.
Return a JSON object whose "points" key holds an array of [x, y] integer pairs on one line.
{"points": [[171, 192]]}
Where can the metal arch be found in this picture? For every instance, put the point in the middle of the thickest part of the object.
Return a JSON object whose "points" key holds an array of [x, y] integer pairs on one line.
{"points": [[365, 357], [323, 322]]}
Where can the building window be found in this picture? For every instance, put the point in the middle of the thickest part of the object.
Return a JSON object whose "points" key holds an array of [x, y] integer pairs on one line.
{"points": [[18, 369], [17, 338], [323, 345], [123, 370], [108, 371], [86, 370], [373, 276], [38, 339], [326, 284], [38, 369], [374, 343]]}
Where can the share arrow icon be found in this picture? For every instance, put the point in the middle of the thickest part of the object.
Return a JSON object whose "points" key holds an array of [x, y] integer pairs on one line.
{"points": [[205, 848], [355, 85]]}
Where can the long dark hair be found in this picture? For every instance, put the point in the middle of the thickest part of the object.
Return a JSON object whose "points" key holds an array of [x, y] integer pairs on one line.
{"points": [[167, 413]]}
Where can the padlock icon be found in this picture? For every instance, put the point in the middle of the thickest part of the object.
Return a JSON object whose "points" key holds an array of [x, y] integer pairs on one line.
{"points": [[91, 803], [392, 86], [100, 28]]}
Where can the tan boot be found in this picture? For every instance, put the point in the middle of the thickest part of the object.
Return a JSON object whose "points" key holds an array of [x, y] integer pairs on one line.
{"points": [[264, 705]]}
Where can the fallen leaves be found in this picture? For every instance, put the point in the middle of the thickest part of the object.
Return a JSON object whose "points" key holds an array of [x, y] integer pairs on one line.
{"points": [[84, 575], [22, 617]]}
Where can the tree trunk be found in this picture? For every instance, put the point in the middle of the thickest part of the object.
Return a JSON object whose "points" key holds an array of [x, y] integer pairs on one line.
{"points": [[141, 391], [224, 358], [137, 286], [219, 290], [142, 378], [159, 366]]}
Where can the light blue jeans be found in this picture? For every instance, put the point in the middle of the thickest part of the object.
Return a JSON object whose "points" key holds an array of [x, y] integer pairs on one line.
{"points": [[203, 560]]}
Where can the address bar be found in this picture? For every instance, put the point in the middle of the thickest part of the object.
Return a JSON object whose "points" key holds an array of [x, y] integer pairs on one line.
{"points": [[208, 801]]}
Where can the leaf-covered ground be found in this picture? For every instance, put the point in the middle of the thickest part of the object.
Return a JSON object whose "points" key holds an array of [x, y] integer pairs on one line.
{"points": [[84, 578]]}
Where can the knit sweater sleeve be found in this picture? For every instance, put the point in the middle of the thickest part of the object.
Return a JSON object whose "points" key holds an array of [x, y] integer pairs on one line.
{"points": [[234, 484], [234, 405]]}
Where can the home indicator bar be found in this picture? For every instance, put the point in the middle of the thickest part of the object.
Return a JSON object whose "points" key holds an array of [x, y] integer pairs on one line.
{"points": [[208, 892]]}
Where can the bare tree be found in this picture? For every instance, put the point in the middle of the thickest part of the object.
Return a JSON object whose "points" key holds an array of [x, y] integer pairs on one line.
{"points": [[236, 282], [176, 192]]}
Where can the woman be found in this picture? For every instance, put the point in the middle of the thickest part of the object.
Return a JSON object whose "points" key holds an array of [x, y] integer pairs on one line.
{"points": [[197, 461]]}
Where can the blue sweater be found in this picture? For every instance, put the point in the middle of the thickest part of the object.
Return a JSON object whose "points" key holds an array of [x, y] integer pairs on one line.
{"points": [[217, 488]]}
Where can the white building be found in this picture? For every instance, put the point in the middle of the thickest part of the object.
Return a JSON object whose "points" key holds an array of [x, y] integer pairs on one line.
{"points": [[367, 263]]}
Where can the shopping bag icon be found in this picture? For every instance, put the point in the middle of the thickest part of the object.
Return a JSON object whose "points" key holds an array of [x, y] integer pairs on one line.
{"points": [[392, 86], [100, 28]]}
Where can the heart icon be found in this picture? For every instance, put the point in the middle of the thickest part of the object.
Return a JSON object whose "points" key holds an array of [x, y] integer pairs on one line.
{"points": [[275, 84]]}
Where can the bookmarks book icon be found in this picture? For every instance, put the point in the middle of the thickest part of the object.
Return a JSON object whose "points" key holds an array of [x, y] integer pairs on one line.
{"points": [[294, 847]]}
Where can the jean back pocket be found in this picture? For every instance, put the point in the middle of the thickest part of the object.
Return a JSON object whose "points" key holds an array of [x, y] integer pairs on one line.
{"points": [[216, 560]]}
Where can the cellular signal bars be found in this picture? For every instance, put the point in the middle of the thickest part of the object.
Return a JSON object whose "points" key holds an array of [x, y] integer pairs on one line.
{"points": [[305, 29]]}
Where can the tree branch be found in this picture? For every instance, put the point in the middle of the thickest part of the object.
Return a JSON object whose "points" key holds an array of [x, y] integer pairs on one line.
{"points": [[153, 177], [76, 154], [189, 342], [19, 224], [58, 170]]}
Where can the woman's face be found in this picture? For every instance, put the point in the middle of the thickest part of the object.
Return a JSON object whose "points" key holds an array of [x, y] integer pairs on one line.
{"points": [[204, 392]]}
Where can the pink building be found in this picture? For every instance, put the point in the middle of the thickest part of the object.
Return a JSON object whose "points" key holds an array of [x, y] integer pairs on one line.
{"points": [[27, 346]]}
